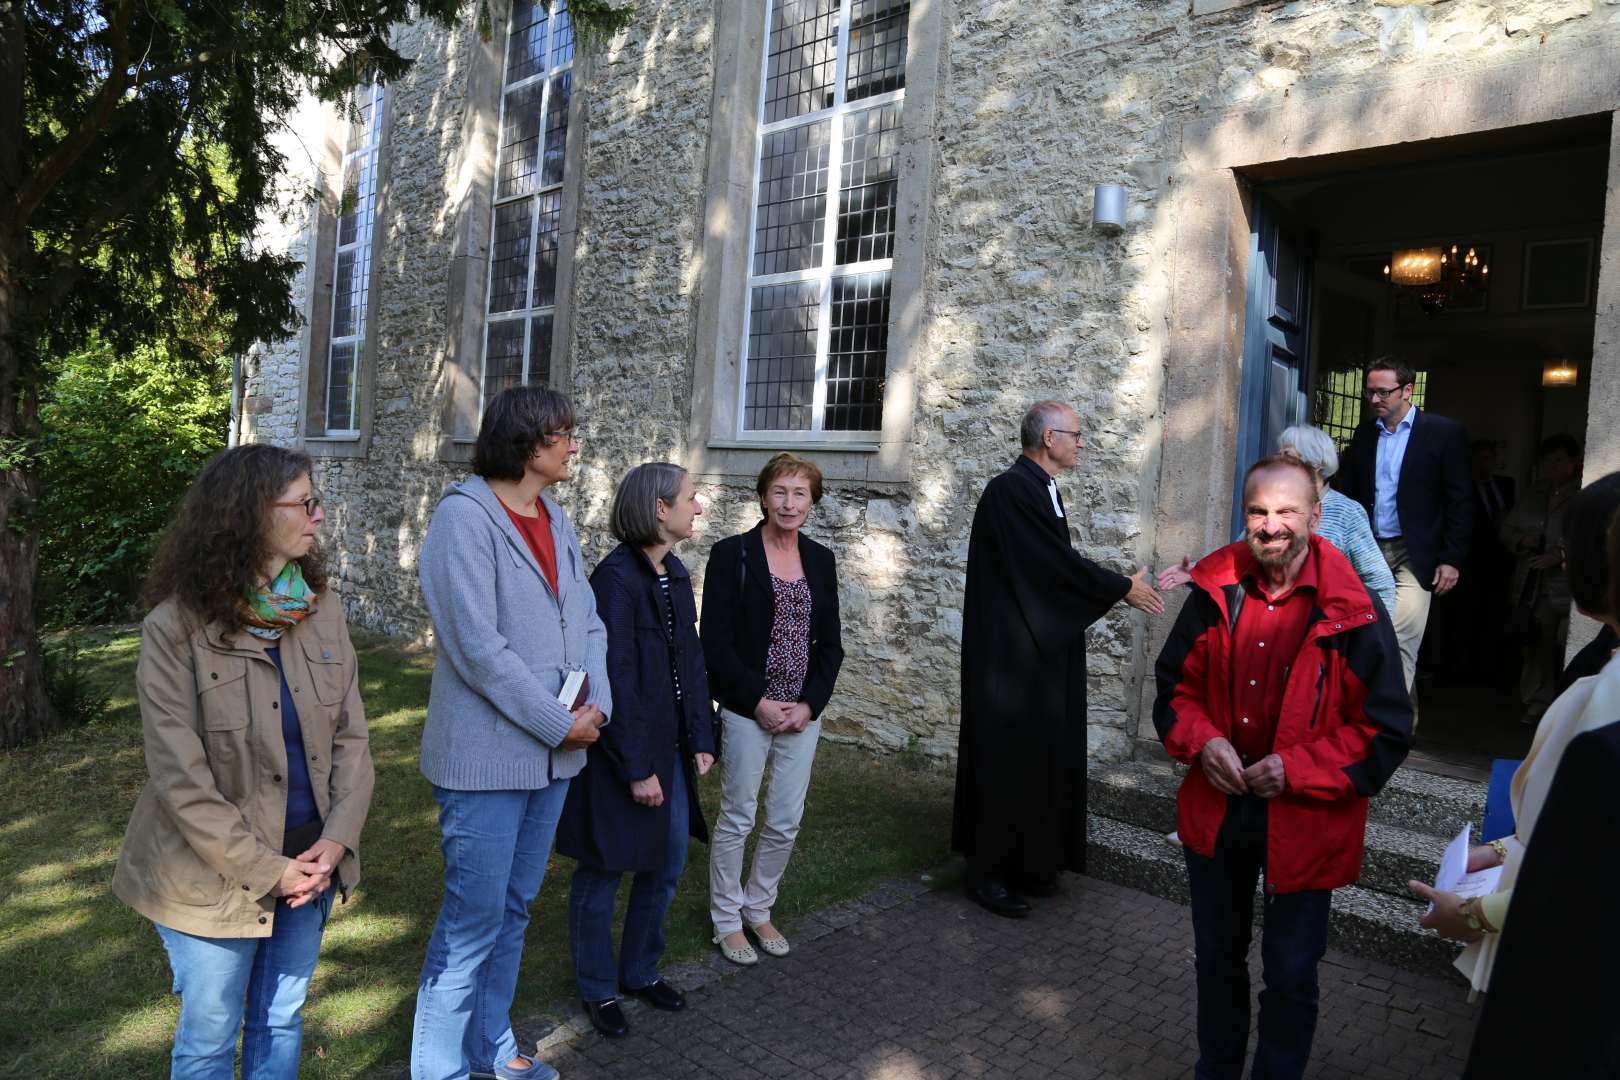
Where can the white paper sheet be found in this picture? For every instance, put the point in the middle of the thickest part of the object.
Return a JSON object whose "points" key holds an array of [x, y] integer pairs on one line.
{"points": [[1453, 875]]}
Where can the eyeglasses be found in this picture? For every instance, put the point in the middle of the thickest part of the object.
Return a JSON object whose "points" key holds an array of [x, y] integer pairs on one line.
{"points": [[1060, 431], [573, 435], [310, 505], [1382, 393]]}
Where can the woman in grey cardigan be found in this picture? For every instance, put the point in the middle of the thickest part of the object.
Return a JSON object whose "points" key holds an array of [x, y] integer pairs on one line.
{"points": [[513, 616]]}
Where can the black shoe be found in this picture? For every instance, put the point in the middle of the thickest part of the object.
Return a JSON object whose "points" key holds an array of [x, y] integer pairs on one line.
{"points": [[997, 899], [1035, 887], [659, 994], [607, 1017]]}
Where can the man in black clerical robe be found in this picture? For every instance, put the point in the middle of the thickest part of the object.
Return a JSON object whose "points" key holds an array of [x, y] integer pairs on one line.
{"points": [[1020, 815]]}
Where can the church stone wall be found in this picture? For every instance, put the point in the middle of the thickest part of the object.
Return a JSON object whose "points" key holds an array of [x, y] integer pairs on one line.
{"points": [[1037, 101]]}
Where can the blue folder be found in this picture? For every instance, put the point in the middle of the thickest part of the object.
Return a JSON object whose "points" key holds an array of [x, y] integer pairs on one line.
{"points": [[1499, 800]]}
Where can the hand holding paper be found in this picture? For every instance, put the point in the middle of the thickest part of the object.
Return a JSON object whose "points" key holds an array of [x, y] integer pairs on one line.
{"points": [[1454, 875]]}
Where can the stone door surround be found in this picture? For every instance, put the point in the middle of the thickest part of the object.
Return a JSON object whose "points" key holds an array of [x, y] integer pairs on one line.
{"points": [[1211, 225]]}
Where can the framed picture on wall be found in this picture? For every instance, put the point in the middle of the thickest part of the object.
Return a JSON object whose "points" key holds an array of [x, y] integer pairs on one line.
{"points": [[1557, 273]]}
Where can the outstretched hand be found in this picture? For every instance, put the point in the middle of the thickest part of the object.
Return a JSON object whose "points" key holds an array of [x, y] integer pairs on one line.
{"points": [[1176, 576], [1142, 596]]}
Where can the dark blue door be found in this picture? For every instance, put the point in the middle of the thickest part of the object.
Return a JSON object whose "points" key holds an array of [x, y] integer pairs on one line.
{"points": [[1273, 388]]}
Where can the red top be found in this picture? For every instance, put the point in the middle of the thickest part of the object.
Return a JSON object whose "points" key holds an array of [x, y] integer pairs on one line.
{"points": [[537, 531], [1265, 642]]}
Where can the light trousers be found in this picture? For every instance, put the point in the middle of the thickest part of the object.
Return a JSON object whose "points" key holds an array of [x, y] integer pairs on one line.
{"points": [[1411, 614], [747, 752]]}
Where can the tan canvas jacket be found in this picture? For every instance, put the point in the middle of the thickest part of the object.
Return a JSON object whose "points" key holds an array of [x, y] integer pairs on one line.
{"points": [[203, 848]]}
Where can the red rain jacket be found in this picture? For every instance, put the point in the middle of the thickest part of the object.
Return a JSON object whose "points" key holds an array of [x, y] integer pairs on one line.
{"points": [[1345, 726]]}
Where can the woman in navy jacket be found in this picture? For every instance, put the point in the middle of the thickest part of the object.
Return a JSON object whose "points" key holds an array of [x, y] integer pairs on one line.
{"points": [[634, 806]]}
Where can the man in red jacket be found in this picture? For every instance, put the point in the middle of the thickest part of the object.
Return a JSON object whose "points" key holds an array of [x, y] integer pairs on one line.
{"points": [[1282, 684]]}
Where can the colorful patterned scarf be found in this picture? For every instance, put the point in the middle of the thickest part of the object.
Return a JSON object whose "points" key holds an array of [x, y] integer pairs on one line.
{"points": [[287, 602]]}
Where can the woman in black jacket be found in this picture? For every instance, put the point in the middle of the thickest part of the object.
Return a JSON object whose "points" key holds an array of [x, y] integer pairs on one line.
{"points": [[635, 804], [773, 645]]}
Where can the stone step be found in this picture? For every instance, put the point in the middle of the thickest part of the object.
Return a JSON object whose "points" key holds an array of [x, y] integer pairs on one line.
{"points": [[1393, 856], [1144, 793], [1363, 921]]}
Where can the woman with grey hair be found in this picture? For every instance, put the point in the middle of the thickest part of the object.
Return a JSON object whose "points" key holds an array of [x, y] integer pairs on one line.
{"points": [[1344, 523], [633, 808]]}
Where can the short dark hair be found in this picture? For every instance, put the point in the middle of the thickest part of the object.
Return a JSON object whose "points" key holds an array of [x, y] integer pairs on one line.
{"points": [[1587, 559], [634, 517], [789, 465], [1282, 461], [1039, 418], [516, 421], [1404, 375], [1563, 441]]}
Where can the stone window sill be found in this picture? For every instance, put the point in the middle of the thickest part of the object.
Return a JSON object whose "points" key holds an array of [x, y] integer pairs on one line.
{"points": [[336, 446], [777, 446]]}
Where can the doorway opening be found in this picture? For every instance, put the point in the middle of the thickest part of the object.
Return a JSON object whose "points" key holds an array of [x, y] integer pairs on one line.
{"points": [[1343, 270]]}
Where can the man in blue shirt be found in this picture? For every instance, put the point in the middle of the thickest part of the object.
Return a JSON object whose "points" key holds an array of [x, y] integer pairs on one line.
{"points": [[1409, 469]]}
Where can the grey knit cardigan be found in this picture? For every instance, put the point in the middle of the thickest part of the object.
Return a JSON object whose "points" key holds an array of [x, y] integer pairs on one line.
{"points": [[504, 641]]}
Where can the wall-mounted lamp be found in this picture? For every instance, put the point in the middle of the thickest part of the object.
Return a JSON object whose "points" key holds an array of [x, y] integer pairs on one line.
{"points": [[1108, 208], [1559, 373]]}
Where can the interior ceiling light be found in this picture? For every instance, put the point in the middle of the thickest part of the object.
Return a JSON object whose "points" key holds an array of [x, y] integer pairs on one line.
{"points": [[1438, 277], [1559, 372]]}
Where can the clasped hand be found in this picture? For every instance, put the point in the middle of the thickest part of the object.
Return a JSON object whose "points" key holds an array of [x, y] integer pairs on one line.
{"points": [[587, 720], [309, 874], [781, 717], [1224, 769]]}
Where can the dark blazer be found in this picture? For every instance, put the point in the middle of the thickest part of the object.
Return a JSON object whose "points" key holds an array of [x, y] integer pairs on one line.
{"points": [[739, 607], [1435, 496], [1487, 555], [602, 825]]}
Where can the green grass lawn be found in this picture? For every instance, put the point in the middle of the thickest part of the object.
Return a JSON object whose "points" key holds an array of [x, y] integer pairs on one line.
{"points": [[86, 981]]}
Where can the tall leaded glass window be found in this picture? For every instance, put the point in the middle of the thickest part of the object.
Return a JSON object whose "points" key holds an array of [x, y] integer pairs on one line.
{"points": [[528, 196], [824, 215], [351, 271]]}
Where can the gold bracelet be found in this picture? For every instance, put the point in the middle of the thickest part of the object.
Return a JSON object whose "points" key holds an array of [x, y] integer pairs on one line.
{"points": [[1501, 849]]}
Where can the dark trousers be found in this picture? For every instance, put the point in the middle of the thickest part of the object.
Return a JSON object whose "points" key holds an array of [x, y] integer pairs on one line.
{"points": [[1294, 937], [590, 912]]}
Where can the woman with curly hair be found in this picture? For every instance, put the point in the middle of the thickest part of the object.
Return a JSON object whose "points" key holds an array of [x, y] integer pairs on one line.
{"points": [[259, 767]]}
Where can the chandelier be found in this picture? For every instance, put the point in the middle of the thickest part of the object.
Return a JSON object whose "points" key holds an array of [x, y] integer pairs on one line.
{"points": [[1439, 278]]}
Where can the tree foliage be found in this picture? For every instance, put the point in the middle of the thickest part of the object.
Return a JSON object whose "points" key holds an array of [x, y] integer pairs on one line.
{"points": [[137, 160], [125, 433]]}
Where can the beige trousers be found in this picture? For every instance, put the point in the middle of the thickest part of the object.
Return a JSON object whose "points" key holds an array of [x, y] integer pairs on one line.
{"points": [[1411, 614], [745, 754]]}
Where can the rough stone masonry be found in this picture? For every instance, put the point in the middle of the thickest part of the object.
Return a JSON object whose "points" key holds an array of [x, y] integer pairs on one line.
{"points": [[1032, 103]]}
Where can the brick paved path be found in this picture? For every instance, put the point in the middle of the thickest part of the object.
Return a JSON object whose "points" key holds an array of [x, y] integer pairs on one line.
{"points": [[1097, 983]]}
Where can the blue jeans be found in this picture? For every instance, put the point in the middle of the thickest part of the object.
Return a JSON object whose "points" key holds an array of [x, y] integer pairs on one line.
{"points": [[251, 986], [495, 844], [1294, 938], [590, 912]]}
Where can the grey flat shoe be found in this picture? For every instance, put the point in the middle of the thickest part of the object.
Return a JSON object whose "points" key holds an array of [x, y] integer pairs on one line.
{"points": [[745, 956], [776, 946]]}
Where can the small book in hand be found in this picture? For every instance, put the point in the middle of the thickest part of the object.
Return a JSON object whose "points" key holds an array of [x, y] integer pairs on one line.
{"points": [[576, 685]]}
